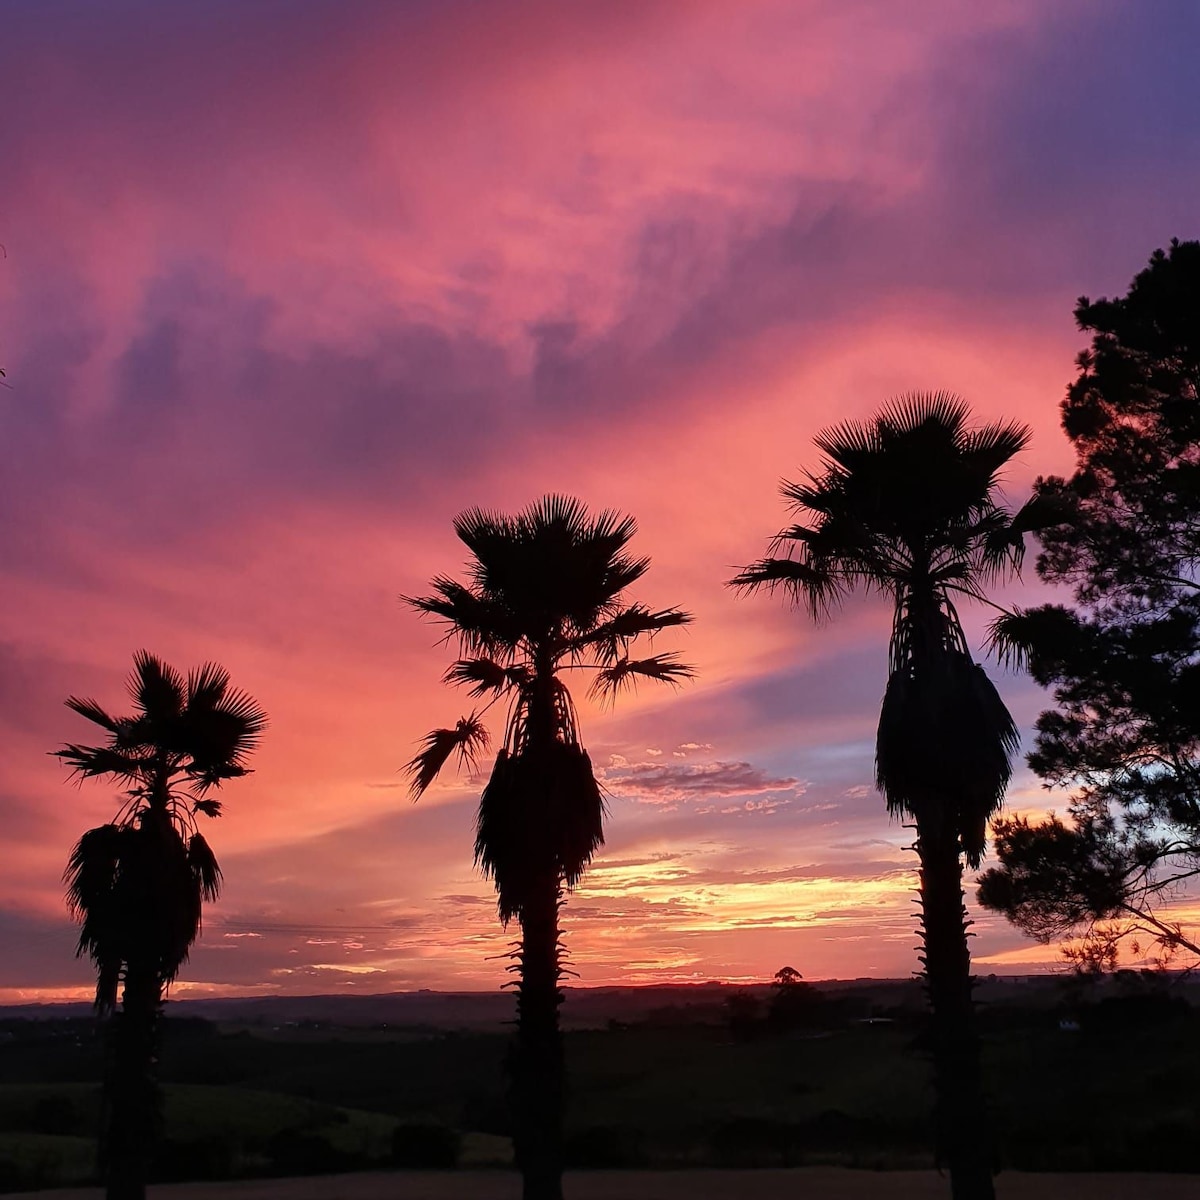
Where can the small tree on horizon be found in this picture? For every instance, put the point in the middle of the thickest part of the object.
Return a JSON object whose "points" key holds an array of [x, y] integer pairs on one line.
{"points": [[545, 595], [794, 1003]]}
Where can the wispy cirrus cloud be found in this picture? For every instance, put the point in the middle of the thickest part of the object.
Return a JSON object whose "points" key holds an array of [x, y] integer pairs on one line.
{"points": [[673, 783]]}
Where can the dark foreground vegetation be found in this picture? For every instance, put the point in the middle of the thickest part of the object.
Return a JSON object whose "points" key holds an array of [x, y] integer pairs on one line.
{"points": [[716, 1082]]}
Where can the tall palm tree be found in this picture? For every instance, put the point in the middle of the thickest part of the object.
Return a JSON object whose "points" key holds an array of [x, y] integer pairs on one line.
{"points": [[137, 884], [544, 596], [905, 504]]}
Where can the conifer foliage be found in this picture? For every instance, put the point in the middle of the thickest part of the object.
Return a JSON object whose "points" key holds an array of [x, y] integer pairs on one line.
{"points": [[1124, 661]]}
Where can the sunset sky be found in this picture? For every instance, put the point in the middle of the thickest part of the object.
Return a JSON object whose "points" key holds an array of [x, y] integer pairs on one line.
{"points": [[288, 284]]}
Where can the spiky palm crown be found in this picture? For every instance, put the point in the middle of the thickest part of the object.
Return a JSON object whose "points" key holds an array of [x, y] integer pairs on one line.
{"points": [[136, 885], [905, 504], [544, 595]]}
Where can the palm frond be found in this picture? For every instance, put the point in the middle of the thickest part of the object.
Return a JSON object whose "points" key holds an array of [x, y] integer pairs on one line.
{"points": [[814, 587], [138, 885], [1047, 508], [469, 738], [800, 535], [568, 518], [943, 410], [206, 685], [202, 779], [108, 980], [845, 443], [1026, 638], [609, 526], [202, 863], [1008, 639], [993, 546], [904, 503], [559, 566], [90, 761], [242, 708], [815, 494], [157, 689], [93, 712], [945, 744], [488, 535], [556, 510], [93, 878], [92, 868], [541, 812], [217, 731], [485, 674], [543, 594], [998, 442], [481, 623], [625, 673], [611, 636], [622, 571]]}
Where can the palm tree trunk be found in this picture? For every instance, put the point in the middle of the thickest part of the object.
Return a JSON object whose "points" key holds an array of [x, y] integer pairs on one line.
{"points": [[538, 1068], [959, 1117], [132, 1099]]}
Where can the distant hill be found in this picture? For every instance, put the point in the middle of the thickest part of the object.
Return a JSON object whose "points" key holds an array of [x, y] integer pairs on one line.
{"points": [[584, 1008]]}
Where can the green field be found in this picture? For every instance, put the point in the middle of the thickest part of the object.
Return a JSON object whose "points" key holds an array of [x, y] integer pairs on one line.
{"points": [[675, 1091]]}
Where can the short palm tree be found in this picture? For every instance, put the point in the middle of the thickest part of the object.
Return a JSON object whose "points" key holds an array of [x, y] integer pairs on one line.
{"points": [[544, 596], [137, 884], [905, 505]]}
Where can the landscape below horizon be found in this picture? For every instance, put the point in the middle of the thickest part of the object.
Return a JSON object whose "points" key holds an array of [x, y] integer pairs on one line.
{"points": [[698, 1076], [278, 299], [583, 1007]]}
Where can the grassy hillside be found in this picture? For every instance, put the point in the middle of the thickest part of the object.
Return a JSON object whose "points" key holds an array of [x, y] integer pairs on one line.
{"points": [[678, 1089]]}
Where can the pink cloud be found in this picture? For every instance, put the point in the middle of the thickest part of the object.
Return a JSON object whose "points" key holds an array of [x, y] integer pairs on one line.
{"points": [[666, 783], [280, 298]]}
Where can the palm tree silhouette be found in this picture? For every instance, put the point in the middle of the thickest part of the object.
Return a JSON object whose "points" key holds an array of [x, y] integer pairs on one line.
{"points": [[544, 596], [905, 505], [137, 885]]}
